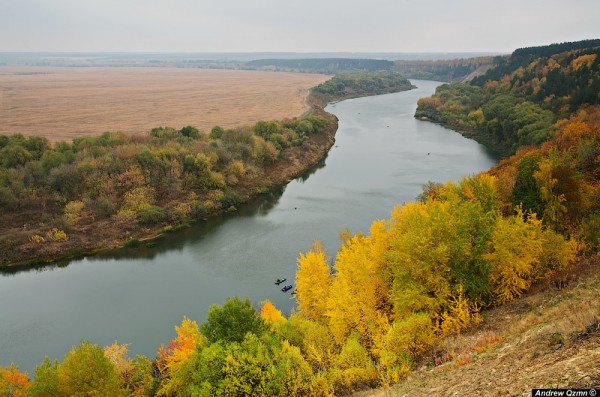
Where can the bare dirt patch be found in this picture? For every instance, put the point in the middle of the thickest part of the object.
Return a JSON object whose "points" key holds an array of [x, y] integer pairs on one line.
{"points": [[64, 103]]}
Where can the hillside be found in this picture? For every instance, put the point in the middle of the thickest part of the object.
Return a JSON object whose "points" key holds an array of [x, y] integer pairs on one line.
{"points": [[448, 70], [548, 338], [517, 102]]}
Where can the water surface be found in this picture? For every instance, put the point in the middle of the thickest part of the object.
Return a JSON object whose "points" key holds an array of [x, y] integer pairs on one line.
{"points": [[381, 157]]}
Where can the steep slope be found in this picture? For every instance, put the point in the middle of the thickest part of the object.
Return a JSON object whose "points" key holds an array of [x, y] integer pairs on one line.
{"points": [[549, 338], [516, 103]]}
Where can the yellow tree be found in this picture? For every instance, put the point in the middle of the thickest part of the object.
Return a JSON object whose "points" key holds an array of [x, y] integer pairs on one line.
{"points": [[403, 343], [360, 299], [555, 210], [513, 254], [117, 354], [419, 257], [271, 314], [172, 358], [313, 280], [86, 371]]}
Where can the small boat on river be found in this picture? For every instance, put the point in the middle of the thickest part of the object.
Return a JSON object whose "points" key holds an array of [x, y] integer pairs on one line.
{"points": [[279, 281], [287, 288]]}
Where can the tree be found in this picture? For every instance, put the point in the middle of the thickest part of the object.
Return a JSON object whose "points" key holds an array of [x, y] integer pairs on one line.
{"points": [[45, 383], [266, 129], [313, 280], [12, 382], [270, 314], [513, 253], [232, 321], [190, 132], [172, 358], [12, 156], [353, 368], [86, 371], [117, 354], [407, 339], [360, 301]]}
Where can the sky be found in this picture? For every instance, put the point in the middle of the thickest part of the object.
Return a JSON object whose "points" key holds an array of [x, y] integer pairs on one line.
{"points": [[293, 25]]}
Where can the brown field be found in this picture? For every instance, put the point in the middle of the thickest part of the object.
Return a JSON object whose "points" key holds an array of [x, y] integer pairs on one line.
{"points": [[64, 103]]}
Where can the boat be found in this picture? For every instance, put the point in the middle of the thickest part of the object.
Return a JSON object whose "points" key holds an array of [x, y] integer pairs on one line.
{"points": [[279, 281], [287, 288]]}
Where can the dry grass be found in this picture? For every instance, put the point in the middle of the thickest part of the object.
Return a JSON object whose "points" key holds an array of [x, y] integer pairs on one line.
{"points": [[549, 338], [64, 103]]}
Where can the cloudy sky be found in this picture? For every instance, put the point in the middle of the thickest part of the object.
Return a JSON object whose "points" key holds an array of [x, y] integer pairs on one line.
{"points": [[293, 25]]}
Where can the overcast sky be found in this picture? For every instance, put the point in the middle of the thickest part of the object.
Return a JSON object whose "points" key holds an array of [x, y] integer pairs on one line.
{"points": [[293, 25]]}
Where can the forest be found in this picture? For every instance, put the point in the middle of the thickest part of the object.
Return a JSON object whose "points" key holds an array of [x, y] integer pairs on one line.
{"points": [[370, 318], [322, 65], [372, 313], [450, 70], [130, 183], [517, 102], [97, 193], [352, 85]]}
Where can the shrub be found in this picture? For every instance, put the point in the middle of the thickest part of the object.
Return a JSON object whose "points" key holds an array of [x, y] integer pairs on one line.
{"points": [[73, 212], [36, 238], [55, 234], [151, 215]]}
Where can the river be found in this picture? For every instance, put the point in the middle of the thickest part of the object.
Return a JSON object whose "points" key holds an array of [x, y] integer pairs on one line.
{"points": [[381, 157]]}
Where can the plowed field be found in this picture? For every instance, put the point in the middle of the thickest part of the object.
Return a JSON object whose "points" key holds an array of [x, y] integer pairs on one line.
{"points": [[64, 103]]}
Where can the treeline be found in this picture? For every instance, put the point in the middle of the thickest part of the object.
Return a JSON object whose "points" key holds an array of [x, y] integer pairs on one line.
{"points": [[53, 198], [351, 85], [522, 57], [322, 65], [450, 70], [419, 276], [516, 103], [104, 192]]}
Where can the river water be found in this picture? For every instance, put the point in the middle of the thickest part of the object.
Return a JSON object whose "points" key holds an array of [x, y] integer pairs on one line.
{"points": [[381, 157]]}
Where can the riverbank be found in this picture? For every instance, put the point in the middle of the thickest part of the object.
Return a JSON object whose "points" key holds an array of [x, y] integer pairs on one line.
{"points": [[54, 239], [91, 235], [379, 159]]}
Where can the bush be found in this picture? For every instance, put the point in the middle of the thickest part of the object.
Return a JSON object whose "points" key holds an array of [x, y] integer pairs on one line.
{"points": [[73, 212], [55, 234], [229, 199], [151, 215]]}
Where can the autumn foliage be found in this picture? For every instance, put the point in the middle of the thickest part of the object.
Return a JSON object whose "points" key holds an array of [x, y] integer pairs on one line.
{"points": [[367, 316], [373, 311]]}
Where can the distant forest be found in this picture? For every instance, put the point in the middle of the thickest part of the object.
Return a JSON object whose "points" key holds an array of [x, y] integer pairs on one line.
{"points": [[326, 65], [352, 85], [517, 102], [450, 70]]}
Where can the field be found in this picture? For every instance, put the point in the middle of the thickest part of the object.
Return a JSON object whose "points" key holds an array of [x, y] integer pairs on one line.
{"points": [[64, 103]]}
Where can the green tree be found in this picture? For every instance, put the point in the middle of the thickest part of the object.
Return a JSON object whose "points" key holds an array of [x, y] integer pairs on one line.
{"points": [[232, 321], [45, 382], [86, 371]]}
